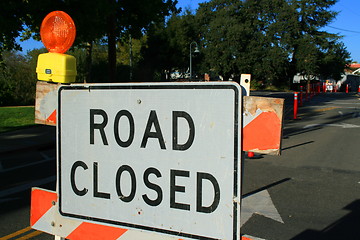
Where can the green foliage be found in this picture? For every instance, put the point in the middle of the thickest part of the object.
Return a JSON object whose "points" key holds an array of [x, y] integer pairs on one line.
{"points": [[130, 48], [333, 59], [95, 20], [168, 47], [12, 118], [80, 55], [272, 40], [12, 15], [17, 80], [221, 29]]}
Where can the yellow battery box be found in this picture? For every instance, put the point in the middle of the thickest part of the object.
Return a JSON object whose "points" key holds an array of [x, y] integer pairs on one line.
{"points": [[56, 67]]}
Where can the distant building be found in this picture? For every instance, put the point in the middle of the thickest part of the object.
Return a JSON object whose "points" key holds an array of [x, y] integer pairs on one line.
{"points": [[353, 68], [351, 78], [298, 78]]}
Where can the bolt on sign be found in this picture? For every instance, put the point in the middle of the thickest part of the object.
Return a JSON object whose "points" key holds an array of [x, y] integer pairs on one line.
{"points": [[157, 157]]}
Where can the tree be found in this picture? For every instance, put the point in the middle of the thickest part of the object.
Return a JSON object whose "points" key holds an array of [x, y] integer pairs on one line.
{"points": [[127, 17], [265, 55], [333, 60], [222, 31], [305, 39], [17, 80], [167, 47], [272, 40], [94, 20], [12, 16]]}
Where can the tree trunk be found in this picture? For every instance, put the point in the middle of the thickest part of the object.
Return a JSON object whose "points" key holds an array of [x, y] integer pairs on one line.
{"points": [[131, 58], [89, 47], [292, 67], [112, 48]]}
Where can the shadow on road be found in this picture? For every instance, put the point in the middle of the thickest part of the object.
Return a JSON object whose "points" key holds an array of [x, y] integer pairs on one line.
{"points": [[266, 187], [297, 145], [13, 202], [347, 227]]}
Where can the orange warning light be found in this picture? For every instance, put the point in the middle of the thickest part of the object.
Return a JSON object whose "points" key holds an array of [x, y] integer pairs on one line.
{"points": [[57, 32]]}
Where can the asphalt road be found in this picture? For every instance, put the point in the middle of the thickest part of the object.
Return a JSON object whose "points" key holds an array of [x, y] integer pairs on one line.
{"points": [[315, 184], [311, 191], [27, 159]]}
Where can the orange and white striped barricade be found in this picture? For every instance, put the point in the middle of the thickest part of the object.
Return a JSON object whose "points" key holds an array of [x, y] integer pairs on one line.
{"points": [[46, 103], [46, 217], [129, 159], [262, 116], [262, 124]]}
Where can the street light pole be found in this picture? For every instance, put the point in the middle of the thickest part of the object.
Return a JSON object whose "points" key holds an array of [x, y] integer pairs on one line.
{"points": [[195, 51]]}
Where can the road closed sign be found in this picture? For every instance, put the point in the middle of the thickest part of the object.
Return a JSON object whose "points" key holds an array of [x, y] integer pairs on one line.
{"points": [[159, 157]]}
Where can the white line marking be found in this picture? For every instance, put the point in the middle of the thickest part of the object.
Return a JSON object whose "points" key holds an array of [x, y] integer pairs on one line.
{"points": [[342, 125], [259, 203]]}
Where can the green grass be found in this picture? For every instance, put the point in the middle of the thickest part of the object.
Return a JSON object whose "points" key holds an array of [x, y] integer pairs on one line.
{"points": [[13, 118]]}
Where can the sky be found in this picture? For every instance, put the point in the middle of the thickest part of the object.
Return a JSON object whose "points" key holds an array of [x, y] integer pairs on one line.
{"points": [[347, 24]]}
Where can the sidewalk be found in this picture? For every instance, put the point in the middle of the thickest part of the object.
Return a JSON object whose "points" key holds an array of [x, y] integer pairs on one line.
{"points": [[28, 138]]}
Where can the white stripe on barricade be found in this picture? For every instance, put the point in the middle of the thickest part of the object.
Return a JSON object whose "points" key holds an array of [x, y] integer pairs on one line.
{"points": [[52, 222], [131, 235]]}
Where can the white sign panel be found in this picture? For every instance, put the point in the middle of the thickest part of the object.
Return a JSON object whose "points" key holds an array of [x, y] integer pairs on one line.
{"points": [[156, 157]]}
